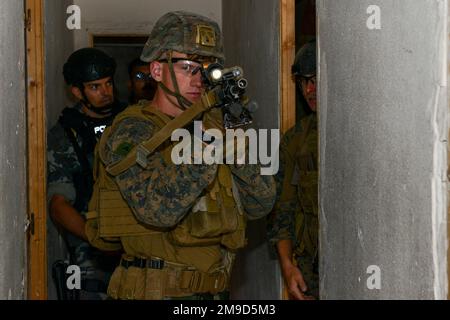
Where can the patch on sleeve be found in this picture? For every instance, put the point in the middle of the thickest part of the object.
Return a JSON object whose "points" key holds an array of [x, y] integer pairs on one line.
{"points": [[123, 149]]}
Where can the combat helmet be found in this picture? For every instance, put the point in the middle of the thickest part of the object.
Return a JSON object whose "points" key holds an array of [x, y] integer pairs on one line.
{"points": [[188, 33], [88, 64], [305, 61], [184, 32]]}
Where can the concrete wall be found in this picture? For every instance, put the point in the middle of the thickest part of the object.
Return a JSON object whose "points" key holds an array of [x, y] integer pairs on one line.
{"points": [[58, 46], [251, 32], [134, 16], [12, 151], [383, 125]]}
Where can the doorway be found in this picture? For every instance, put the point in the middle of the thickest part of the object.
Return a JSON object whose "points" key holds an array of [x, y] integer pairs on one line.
{"points": [[124, 49]]}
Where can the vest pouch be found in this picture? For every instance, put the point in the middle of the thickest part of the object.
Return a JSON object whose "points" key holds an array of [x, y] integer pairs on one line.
{"points": [[133, 284], [204, 220], [215, 219], [116, 218], [154, 284], [215, 213], [115, 283], [182, 237], [236, 240], [93, 234]]}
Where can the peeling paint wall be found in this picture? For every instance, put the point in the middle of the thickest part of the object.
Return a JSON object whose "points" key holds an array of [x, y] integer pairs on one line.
{"points": [[58, 46], [12, 151], [383, 125]]}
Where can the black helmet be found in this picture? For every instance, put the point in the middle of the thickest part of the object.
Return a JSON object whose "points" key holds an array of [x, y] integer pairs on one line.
{"points": [[305, 60], [88, 64]]}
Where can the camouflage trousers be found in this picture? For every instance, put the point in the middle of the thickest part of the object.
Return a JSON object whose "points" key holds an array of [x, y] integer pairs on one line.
{"points": [[308, 267]]}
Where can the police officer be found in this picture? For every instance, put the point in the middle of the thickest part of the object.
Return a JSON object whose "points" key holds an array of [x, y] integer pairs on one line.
{"points": [[189, 218], [89, 73], [293, 226]]}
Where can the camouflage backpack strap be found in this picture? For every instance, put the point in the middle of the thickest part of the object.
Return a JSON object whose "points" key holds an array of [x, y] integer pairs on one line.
{"points": [[140, 153], [158, 118]]}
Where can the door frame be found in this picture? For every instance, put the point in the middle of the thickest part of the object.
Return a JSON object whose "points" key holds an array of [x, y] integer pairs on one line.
{"points": [[287, 84], [287, 56], [36, 129], [36, 149]]}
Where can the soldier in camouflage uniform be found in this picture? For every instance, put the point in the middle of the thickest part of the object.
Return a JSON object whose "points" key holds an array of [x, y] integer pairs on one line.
{"points": [[190, 217], [89, 73], [293, 226]]}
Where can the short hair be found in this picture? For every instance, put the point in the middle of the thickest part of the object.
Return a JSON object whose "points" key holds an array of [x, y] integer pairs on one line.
{"points": [[137, 62]]}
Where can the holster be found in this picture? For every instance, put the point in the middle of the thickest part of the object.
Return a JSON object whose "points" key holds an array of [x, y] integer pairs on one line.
{"points": [[60, 276]]}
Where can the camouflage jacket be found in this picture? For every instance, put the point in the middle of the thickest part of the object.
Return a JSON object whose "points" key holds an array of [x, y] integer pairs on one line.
{"points": [[63, 166], [163, 193], [66, 175], [296, 209]]}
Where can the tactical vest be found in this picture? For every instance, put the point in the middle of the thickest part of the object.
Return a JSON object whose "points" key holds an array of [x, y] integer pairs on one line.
{"points": [[216, 218], [77, 124], [305, 177]]}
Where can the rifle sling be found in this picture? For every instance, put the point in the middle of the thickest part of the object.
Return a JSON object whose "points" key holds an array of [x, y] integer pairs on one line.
{"points": [[144, 149]]}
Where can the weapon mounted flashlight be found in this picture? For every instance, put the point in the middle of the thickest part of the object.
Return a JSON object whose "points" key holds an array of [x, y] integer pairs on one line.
{"points": [[230, 86]]}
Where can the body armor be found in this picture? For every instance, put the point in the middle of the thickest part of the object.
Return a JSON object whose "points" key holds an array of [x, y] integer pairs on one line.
{"points": [[215, 224]]}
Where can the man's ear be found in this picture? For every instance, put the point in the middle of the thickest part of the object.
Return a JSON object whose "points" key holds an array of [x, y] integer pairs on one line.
{"points": [[76, 92], [156, 70]]}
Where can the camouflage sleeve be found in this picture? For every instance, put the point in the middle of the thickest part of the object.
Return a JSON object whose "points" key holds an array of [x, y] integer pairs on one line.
{"points": [[281, 222], [61, 161], [257, 192], [161, 194]]}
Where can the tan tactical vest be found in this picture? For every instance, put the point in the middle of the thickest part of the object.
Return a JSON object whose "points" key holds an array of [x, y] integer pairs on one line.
{"points": [[216, 218], [306, 178]]}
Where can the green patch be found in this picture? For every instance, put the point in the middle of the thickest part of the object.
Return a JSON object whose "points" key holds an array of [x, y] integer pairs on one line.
{"points": [[123, 149]]}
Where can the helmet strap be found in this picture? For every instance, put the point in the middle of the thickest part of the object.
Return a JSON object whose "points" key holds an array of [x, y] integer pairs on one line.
{"points": [[182, 101]]}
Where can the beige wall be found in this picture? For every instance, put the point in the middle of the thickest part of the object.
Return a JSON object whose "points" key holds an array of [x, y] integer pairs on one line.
{"points": [[134, 16]]}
